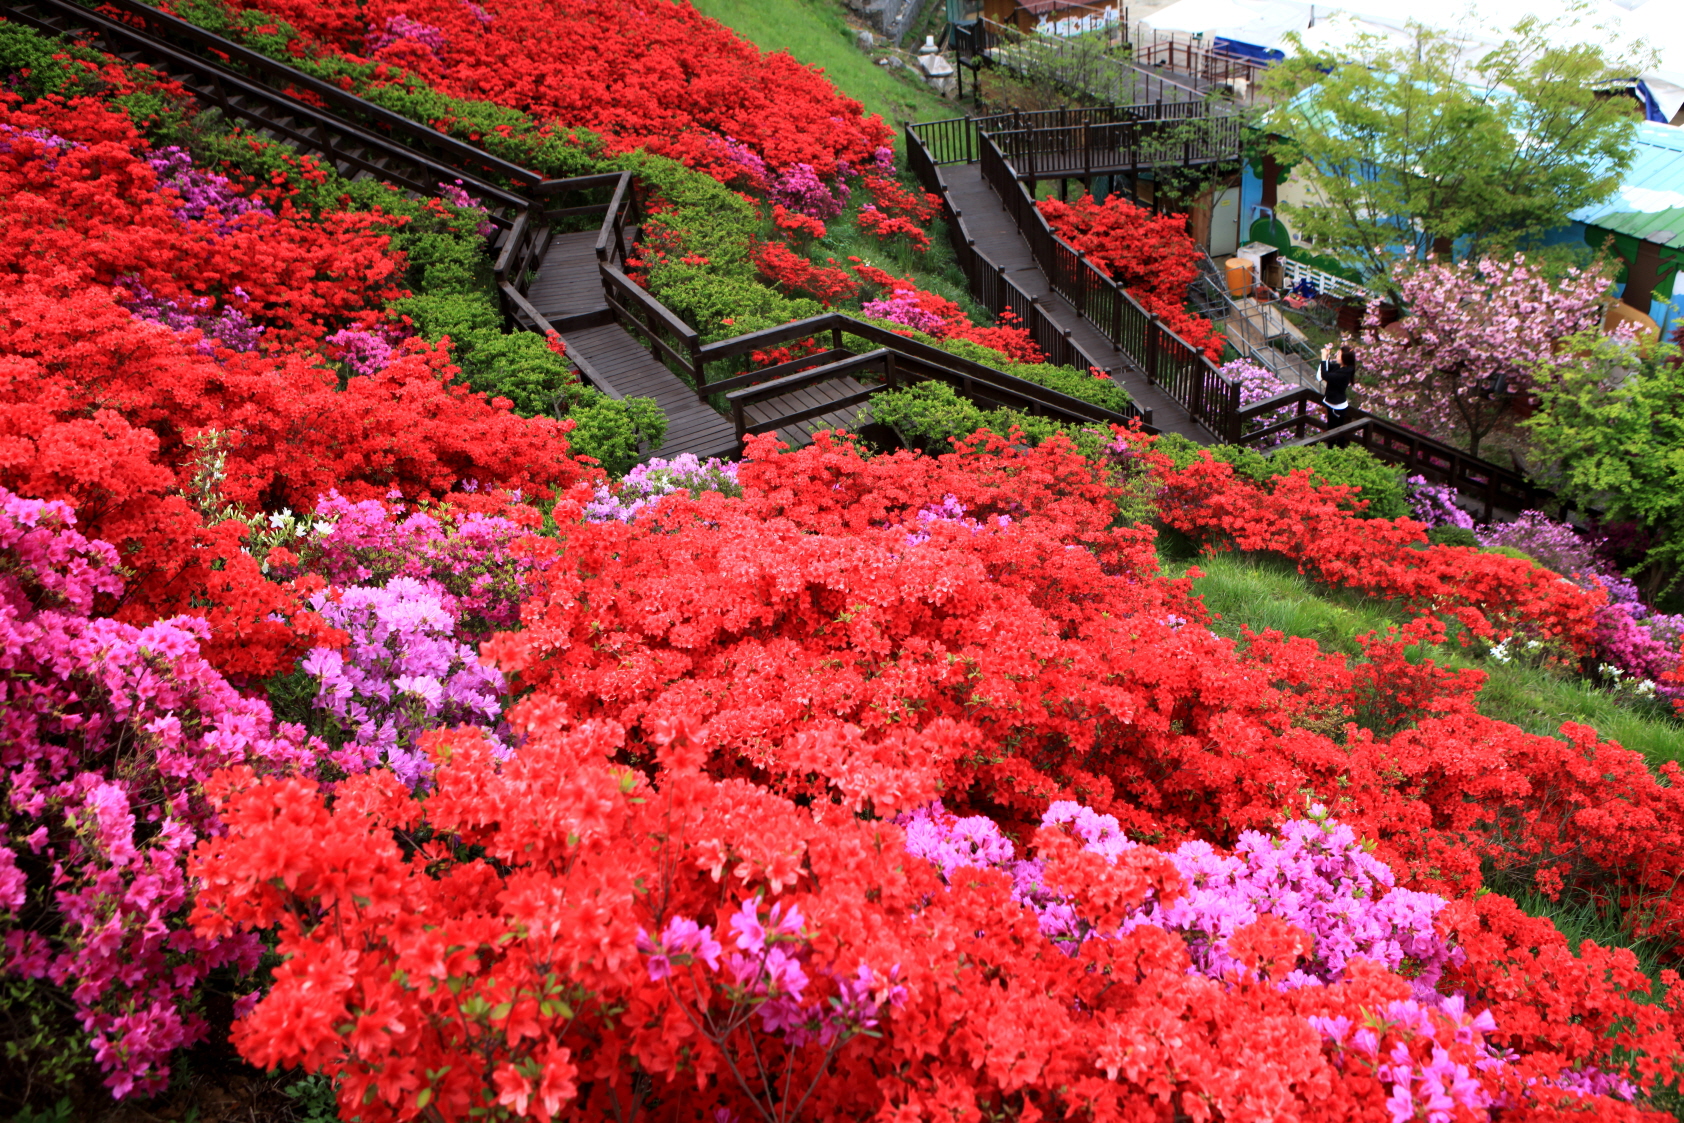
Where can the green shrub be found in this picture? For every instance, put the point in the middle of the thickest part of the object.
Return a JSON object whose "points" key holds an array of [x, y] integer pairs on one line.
{"points": [[928, 414], [610, 429], [1452, 536], [1511, 552]]}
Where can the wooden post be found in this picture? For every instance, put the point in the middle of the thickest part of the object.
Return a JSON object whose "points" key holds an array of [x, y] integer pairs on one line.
{"points": [[1152, 349]]}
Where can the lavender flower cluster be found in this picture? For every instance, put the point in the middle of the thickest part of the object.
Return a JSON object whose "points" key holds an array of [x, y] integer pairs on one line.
{"points": [[1259, 384], [1637, 647], [1313, 874], [403, 672], [205, 196], [228, 328], [469, 562], [655, 478], [950, 512]]}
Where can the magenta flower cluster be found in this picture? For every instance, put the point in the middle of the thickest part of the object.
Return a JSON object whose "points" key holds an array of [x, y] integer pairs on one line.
{"points": [[205, 196], [734, 151], [365, 352], [402, 673], [1313, 874], [902, 307], [402, 27], [766, 977], [457, 196], [648, 482], [800, 189], [228, 328], [107, 735]]}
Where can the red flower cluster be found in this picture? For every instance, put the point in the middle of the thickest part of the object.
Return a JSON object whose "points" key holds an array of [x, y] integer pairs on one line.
{"points": [[1154, 258], [903, 302], [150, 431], [798, 276], [896, 212], [644, 73], [1492, 596], [726, 701]]}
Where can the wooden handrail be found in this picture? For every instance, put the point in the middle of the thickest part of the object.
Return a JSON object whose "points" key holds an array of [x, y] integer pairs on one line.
{"points": [[605, 234], [667, 317], [543, 327]]}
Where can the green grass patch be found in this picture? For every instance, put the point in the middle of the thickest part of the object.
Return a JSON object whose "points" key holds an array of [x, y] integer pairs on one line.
{"points": [[1262, 592], [813, 31]]}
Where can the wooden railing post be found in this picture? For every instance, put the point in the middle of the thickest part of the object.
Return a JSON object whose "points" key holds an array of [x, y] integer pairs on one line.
{"points": [[1151, 348]]}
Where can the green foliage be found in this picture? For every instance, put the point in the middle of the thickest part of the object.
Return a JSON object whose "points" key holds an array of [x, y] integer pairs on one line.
{"points": [[1511, 552], [1262, 592], [314, 1099], [1404, 144], [41, 1047], [610, 429], [1452, 536], [1613, 422], [930, 413]]}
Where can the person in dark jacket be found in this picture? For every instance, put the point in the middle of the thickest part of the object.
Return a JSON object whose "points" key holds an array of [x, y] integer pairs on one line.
{"points": [[1336, 380]]}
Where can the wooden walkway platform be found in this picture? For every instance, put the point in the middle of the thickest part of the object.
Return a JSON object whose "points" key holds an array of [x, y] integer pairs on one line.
{"points": [[568, 291], [999, 242]]}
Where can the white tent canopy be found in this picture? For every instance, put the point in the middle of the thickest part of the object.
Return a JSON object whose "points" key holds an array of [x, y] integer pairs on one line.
{"points": [[1619, 25]]}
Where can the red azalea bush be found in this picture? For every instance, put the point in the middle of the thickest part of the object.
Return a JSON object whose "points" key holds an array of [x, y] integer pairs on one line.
{"points": [[689, 889], [1492, 596], [1154, 258], [643, 73], [111, 400]]}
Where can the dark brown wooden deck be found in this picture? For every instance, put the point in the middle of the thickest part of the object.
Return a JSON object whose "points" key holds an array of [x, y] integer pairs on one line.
{"points": [[568, 291], [1000, 243]]}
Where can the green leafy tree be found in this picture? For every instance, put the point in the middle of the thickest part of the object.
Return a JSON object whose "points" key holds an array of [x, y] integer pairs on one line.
{"points": [[1613, 423], [1408, 148]]}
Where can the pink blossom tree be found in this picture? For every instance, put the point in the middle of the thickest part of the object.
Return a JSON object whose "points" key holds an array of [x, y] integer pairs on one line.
{"points": [[1474, 332]]}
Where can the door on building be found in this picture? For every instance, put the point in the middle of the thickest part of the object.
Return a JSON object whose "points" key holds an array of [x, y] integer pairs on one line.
{"points": [[1225, 223]]}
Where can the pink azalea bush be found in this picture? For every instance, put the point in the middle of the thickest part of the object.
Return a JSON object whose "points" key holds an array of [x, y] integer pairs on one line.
{"points": [[108, 733]]}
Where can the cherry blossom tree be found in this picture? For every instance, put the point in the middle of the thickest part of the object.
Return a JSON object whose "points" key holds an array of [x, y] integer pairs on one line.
{"points": [[1474, 332]]}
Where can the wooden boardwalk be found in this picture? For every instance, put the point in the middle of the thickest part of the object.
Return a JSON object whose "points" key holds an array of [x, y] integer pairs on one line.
{"points": [[568, 291], [999, 242]]}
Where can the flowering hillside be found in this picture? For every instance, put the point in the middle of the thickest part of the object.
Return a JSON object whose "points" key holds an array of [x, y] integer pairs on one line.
{"points": [[354, 722]]}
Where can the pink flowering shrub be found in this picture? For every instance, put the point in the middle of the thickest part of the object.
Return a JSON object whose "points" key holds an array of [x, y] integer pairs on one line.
{"points": [[905, 307], [399, 28], [474, 563], [801, 189], [107, 734]]}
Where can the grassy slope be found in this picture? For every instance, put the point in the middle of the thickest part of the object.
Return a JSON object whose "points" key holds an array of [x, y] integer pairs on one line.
{"points": [[1264, 593], [814, 32]]}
